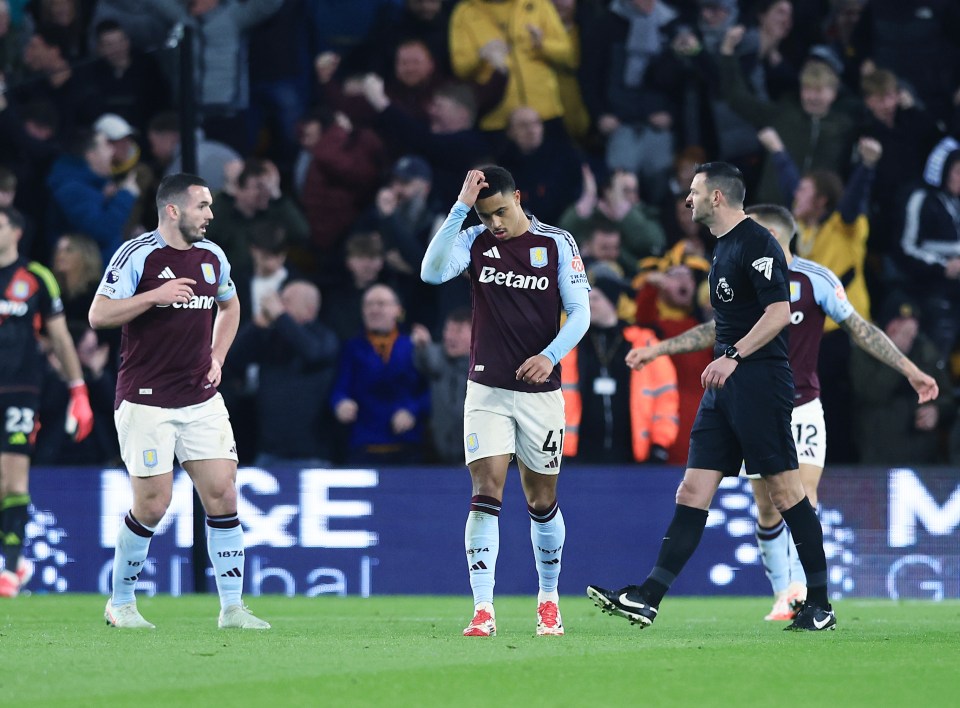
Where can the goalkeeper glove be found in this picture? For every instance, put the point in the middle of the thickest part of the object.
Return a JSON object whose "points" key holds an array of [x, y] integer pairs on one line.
{"points": [[79, 414]]}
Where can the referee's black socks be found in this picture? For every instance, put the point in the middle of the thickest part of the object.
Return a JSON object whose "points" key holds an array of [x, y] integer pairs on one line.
{"points": [[808, 538], [679, 542]]}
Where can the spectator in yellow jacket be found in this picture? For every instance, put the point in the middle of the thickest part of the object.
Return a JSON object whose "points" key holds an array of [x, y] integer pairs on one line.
{"points": [[526, 37]]}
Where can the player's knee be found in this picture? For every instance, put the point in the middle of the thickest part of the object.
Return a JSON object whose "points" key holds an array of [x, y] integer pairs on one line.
{"points": [[692, 495], [221, 498], [149, 512]]}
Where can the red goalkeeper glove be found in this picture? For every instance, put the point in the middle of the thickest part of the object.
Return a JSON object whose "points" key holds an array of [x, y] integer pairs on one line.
{"points": [[79, 414]]}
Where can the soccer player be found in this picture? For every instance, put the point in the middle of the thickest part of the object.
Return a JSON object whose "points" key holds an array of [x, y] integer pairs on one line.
{"points": [[161, 288], [745, 412], [815, 293], [29, 295], [523, 273]]}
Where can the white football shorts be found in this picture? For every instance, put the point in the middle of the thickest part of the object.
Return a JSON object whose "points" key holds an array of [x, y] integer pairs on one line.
{"points": [[497, 421], [810, 434], [151, 436]]}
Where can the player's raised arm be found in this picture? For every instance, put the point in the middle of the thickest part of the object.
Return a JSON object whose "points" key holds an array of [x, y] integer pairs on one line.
{"points": [[693, 340], [445, 257]]}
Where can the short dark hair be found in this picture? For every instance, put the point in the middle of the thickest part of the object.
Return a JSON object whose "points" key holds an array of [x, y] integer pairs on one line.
{"points": [[252, 167], [108, 25], [364, 244], [55, 37], [460, 94], [173, 188], [499, 179], [725, 177], [43, 113], [270, 237], [460, 314], [777, 214], [165, 122], [14, 217], [82, 141]]}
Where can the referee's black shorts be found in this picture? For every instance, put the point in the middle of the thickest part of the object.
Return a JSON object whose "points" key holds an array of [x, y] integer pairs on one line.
{"points": [[747, 421]]}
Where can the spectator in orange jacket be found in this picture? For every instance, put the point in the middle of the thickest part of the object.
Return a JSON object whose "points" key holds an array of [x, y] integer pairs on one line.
{"points": [[668, 302], [622, 415]]}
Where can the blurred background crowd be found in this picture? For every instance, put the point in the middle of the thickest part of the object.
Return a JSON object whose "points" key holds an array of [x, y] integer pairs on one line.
{"points": [[335, 137]]}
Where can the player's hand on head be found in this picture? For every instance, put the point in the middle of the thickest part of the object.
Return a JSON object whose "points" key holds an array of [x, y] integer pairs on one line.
{"points": [[474, 182], [535, 370], [174, 291]]}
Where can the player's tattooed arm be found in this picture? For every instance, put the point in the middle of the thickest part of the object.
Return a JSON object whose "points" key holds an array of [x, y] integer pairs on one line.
{"points": [[875, 342], [693, 340], [872, 340], [700, 337]]}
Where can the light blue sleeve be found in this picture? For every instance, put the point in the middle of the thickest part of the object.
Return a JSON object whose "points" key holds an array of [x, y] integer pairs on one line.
{"points": [[574, 293], [448, 254], [830, 295], [124, 272]]}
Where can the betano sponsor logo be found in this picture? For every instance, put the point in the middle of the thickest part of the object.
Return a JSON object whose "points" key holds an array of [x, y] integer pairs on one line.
{"points": [[197, 302], [510, 279]]}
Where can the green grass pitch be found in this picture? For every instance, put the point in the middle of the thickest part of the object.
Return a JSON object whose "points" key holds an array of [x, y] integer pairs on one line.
{"points": [[407, 651]]}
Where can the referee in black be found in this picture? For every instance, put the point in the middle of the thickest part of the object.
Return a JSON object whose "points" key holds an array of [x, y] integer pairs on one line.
{"points": [[745, 411]]}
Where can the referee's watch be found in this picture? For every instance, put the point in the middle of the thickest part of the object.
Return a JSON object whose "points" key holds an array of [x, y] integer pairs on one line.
{"points": [[732, 353]]}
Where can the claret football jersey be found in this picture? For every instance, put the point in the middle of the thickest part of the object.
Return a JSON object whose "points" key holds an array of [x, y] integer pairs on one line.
{"points": [[165, 352]]}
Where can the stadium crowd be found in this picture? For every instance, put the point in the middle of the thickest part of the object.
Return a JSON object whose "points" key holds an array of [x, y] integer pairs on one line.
{"points": [[335, 136]]}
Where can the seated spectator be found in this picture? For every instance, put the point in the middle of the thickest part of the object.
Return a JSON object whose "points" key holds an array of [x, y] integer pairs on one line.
{"points": [[891, 427], [622, 415], [545, 167], [618, 203], [13, 38], [163, 134], [446, 365], [256, 200], [85, 199], [378, 391], [296, 360], [344, 294]]}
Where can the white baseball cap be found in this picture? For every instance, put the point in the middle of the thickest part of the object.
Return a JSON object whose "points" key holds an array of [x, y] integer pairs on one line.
{"points": [[113, 126]]}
